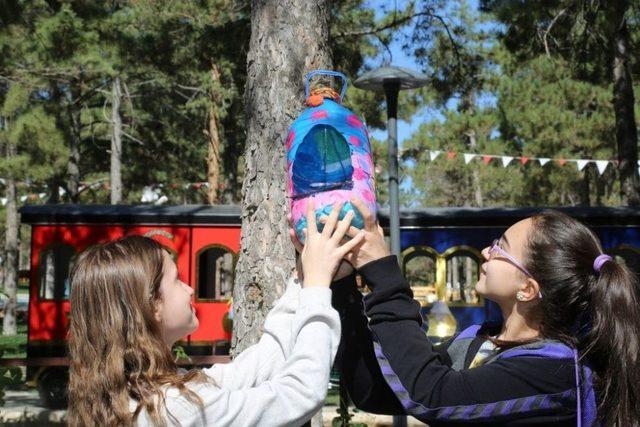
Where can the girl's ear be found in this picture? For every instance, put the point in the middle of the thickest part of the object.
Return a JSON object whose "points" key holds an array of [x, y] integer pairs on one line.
{"points": [[157, 309], [530, 290]]}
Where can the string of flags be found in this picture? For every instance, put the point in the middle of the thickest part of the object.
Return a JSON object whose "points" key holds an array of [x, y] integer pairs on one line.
{"points": [[601, 165]]}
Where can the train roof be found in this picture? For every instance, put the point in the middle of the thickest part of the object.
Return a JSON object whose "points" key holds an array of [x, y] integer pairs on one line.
{"points": [[131, 214], [230, 215]]}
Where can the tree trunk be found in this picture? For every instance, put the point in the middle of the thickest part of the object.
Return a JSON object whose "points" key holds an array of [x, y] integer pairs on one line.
{"points": [[469, 279], [288, 39], [477, 185], [9, 325], [213, 155], [623, 105], [116, 143], [455, 278], [584, 187], [73, 168]]}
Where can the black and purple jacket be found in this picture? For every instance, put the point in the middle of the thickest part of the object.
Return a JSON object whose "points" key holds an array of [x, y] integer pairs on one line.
{"points": [[390, 367]]}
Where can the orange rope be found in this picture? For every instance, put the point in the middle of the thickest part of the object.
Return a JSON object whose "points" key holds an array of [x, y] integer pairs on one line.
{"points": [[326, 92], [319, 93]]}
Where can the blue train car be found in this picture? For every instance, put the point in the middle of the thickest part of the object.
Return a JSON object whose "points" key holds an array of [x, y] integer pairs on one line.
{"points": [[441, 249]]}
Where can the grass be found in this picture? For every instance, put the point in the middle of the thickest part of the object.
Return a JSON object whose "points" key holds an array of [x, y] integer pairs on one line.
{"points": [[14, 346]]}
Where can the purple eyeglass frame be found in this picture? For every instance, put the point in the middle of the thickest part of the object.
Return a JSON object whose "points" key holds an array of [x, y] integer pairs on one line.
{"points": [[495, 248]]}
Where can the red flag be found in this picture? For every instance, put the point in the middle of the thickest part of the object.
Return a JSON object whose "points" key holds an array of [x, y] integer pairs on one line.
{"points": [[562, 162], [486, 159], [451, 155], [524, 160]]}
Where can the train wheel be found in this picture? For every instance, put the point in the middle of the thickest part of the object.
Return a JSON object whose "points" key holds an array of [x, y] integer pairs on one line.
{"points": [[52, 386]]}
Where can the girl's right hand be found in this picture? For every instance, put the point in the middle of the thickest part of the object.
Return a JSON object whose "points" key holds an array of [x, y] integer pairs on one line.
{"points": [[373, 246], [322, 252]]}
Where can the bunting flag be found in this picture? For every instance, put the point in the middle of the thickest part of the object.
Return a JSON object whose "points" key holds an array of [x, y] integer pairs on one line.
{"points": [[434, 155], [543, 160], [486, 159], [451, 155], [468, 157], [562, 162], [506, 160], [581, 163], [524, 160], [602, 165]]}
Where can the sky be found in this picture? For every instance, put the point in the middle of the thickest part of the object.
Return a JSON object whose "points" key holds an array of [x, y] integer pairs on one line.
{"points": [[399, 58]]}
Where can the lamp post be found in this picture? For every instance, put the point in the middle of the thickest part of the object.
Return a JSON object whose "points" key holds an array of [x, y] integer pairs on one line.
{"points": [[392, 80]]}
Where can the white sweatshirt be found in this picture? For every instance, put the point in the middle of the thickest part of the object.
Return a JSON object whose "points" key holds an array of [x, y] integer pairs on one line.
{"points": [[280, 381]]}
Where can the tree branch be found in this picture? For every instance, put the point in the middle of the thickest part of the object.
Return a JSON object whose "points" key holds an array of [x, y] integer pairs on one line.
{"points": [[394, 23], [548, 30]]}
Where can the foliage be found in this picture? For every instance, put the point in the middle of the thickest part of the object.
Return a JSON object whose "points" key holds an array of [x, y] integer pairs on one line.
{"points": [[491, 100]]}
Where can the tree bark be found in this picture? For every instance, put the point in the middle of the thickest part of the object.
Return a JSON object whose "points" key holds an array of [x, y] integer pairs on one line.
{"points": [[116, 143], [623, 105], [9, 325], [288, 39], [213, 155], [475, 175], [73, 164]]}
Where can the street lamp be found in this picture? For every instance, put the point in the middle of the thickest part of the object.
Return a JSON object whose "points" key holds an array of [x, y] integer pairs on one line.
{"points": [[392, 80]]}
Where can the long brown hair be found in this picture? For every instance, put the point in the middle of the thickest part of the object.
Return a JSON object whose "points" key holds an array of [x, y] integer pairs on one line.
{"points": [[115, 341], [599, 313]]}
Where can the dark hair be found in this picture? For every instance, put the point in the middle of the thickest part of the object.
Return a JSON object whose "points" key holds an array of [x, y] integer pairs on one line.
{"points": [[598, 313]]}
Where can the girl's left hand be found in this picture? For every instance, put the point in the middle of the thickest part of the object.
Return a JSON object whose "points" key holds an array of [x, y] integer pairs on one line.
{"points": [[322, 253]]}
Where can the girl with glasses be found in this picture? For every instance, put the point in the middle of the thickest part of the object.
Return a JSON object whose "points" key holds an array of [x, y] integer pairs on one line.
{"points": [[566, 353]]}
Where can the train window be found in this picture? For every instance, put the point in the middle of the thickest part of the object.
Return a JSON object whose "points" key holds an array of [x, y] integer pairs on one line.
{"points": [[462, 275], [419, 265], [53, 271], [215, 273]]}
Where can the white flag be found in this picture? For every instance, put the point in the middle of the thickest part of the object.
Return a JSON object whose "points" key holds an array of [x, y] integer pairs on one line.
{"points": [[506, 160], [582, 163], [434, 154], [602, 165], [468, 157], [543, 160]]}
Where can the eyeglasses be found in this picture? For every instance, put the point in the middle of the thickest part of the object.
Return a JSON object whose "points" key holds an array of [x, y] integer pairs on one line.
{"points": [[496, 248]]}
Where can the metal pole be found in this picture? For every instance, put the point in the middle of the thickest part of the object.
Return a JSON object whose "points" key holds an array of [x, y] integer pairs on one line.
{"points": [[391, 89]]}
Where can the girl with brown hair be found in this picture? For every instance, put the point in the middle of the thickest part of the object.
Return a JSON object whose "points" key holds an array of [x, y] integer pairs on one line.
{"points": [[128, 308]]}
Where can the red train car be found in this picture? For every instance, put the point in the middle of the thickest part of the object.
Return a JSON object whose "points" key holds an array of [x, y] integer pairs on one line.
{"points": [[204, 241]]}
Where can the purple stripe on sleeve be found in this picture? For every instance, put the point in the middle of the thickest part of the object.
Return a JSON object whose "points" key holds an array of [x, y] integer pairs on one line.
{"points": [[552, 351]]}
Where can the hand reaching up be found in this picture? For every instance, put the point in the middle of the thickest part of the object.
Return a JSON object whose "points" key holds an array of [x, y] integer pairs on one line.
{"points": [[373, 246], [323, 251]]}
